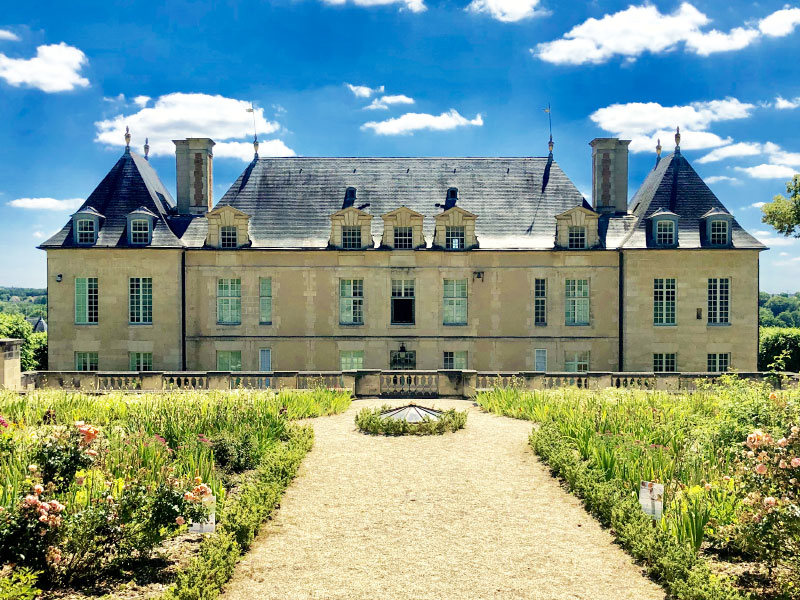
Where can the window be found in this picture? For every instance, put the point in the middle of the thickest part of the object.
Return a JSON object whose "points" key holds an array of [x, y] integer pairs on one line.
{"points": [[351, 359], [718, 300], [229, 301], [141, 361], [402, 360], [540, 359], [265, 359], [719, 233], [455, 301], [86, 231], [229, 360], [228, 236], [455, 360], [403, 238], [540, 302], [577, 302], [140, 231], [576, 362], [577, 236], [664, 301], [140, 300], [86, 361], [402, 301], [665, 233], [664, 362], [351, 301], [265, 300], [454, 237], [718, 363], [351, 237], [86, 300]]}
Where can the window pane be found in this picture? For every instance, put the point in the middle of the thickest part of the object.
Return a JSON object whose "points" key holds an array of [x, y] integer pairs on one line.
{"points": [[403, 238], [577, 302], [228, 236], [86, 300], [577, 236], [719, 233], [140, 231], [229, 301], [540, 359], [351, 301], [351, 359], [664, 301], [140, 300], [576, 361], [265, 300], [141, 361], [402, 301], [455, 301], [265, 359], [86, 361], [718, 300], [665, 233], [540, 301], [86, 233], [229, 360], [351, 237], [454, 237]]}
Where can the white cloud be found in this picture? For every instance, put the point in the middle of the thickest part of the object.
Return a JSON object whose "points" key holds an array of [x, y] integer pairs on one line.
{"points": [[507, 11], [734, 150], [8, 36], [383, 102], [785, 254], [410, 122], [757, 204], [783, 104], [639, 29], [765, 171], [412, 5], [769, 238], [141, 100], [46, 203], [179, 115], [38, 234], [720, 179], [55, 68], [363, 91]]}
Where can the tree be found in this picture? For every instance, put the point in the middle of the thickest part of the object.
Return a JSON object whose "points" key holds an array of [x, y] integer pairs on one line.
{"points": [[767, 319], [781, 303], [763, 297], [34, 345], [784, 213]]}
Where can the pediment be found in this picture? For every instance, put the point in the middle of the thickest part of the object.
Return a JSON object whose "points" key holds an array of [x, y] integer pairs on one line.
{"points": [[351, 210], [403, 210], [456, 210], [227, 209], [577, 209]]}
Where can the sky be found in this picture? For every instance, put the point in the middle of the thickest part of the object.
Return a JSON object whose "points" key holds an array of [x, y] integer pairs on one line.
{"points": [[394, 78]]}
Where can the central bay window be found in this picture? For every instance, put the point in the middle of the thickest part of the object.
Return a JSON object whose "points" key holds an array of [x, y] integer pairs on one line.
{"points": [[351, 301], [228, 236], [86, 361], [664, 362], [351, 359], [663, 301], [577, 236], [265, 300], [454, 237], [718, 300], [141, 361], [540, 302], [403, 238], [86, 301], [576, 307], [140, 301], [455, 301], [718, 362], [402, 301], [455, 360], [229, 302], [577, 361], [351, 237], [229, 360]]}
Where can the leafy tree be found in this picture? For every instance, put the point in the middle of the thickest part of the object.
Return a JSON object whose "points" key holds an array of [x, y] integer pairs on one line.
{"points": [[774, 342], [784, 213], [767, 319], [780, 303], [762, 298], [33, 346]]}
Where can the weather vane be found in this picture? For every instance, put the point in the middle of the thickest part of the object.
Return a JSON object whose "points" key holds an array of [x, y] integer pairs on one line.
{"points": [[255, 132], [550, 125]]}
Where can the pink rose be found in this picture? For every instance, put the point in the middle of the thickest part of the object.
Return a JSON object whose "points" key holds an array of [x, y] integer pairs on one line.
{"points": [[783, 464], [180, 520], [783, 442], [33, 468], [769, 502], [796, 462], [761, 468], [38, 489]]}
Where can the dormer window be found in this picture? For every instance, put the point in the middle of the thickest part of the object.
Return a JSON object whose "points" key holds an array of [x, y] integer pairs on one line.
{"points": [[454, 237], [719, 232], [577, 237], [351, 237], [87, 233], [228, 236], [140, 231], [403, 238], [665, 233]]}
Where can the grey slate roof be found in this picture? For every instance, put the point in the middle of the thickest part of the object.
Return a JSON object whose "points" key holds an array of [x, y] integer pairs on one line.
{"points": [[674, 186], [130, 185]]}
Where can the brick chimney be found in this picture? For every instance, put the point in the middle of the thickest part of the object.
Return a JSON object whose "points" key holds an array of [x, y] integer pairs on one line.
{"points": [[610, 175], [194, 175]]}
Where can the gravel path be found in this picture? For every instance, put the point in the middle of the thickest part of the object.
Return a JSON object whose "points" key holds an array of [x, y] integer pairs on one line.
{"points": [[462, 516]]}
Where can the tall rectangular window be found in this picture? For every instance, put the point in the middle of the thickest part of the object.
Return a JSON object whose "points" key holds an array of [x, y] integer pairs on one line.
{"points": [[140, 231], [540, 302], [403, 238], [351, 301], [577, 302], [265, 300], [351, 237], [455, 301], [718, 300], [140, 300], [86, 300], [719, 233], [577, 236], [229, 301], [664, 362], [718, 362], [665, 233], [351, 359], [454, 237], [228, 236], [664, 301], [86, 361], [540, 359], [403, 301], [229, 360], [141, 361], [575, 362], [455, 360], [86, 232], [265, 359]]}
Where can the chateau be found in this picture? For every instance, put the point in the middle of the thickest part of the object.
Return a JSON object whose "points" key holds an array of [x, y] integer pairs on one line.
{"points": [[492, 264]]}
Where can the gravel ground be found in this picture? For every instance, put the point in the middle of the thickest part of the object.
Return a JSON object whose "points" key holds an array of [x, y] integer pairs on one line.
{"points": [[471, 514]]}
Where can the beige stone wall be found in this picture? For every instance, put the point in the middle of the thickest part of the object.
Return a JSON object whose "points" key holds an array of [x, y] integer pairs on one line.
{"points": [[10, 370], [691, 338], [113, 338]]}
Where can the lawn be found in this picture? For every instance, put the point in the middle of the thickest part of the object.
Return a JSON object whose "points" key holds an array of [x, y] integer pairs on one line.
{"points": [[100, 490], [728, 456]]}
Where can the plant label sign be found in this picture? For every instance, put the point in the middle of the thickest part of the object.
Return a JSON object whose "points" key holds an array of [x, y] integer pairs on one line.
{"points": [[209, 524], [651, 498]]}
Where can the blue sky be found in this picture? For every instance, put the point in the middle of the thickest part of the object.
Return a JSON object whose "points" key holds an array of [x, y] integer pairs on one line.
{"points": [[394, 78]]}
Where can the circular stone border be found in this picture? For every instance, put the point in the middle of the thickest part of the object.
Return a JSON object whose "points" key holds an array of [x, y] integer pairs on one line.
{"points": [[372, 421]]}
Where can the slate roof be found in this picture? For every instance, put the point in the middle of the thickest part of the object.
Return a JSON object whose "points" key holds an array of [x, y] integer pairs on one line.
{"points": [[130, 185], [673, 186]]}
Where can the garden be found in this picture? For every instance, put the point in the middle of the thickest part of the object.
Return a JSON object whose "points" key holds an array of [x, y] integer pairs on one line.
{"points": [[98, 492], [728, 456]]}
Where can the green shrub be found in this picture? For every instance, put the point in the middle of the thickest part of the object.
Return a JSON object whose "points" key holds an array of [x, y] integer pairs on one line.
{"points": [[773, 342], [19, 585], [371, 420]]}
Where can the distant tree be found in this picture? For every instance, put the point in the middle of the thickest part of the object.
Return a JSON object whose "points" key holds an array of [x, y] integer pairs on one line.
{"points": [[767, 319], [784, 213], [781, 303], [762, 298], [773, 342], [786, 318]]}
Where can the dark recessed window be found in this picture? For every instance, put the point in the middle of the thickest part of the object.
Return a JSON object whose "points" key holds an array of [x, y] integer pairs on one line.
{"points": [[351, 237], [454, 237], [228, 237], [402, 301], [719, 233], [403, 360], [403, 238], [577, 237]]}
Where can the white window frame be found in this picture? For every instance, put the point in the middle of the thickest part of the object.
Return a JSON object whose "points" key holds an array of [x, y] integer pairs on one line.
{"points": [[228, 237], [576, 237], [665, 232], [140, 361], [540, 359], [455, 360], [404, 238], [577, 305], [454, 302], [86, 361], [86, 235], [351, 302], [664, 300], [140, 235], [540, 301], [721, 236], [577, 361], [719, 300], [351, 360], [227, 360], [229, 301], [351, 237], [140, 301], [87, 301], [455, 237], [265, 300]]}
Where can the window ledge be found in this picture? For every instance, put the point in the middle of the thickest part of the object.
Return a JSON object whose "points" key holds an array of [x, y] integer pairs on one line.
{"points": [[718, 324], [140, 324], [87, 324], [229, 324], [455, 324], [577, 324], [265, 322], [665, 324], [540, 324], [351, 324], [402, 324]]}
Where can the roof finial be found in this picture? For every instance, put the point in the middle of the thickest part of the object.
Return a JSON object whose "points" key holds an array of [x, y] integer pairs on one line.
{"points": [[678, 140], [255, 144], [658, 151], [127, 139], [146, 148], [550, 126], [550, 144]]}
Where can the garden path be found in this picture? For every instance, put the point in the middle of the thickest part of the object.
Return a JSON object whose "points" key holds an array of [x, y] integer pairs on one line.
{"points": [[467, 515]]}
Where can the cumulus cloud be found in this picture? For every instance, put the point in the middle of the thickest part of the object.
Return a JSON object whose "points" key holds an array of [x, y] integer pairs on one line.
{"points": [[180, 115], [8, 36], [757, 204], [784, 104], [55, 68], [766, 171], [141, 100], [411, 122], [770, 239], [383, 102], [46, 203], [720, 179], [363, 91], [412, 5], [734, 150], [507, 11], [639, 29]]}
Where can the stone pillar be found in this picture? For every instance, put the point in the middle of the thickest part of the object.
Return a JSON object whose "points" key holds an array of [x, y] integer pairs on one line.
{"points": [[468, 383], [368, 383], [152, 380], [219, 380], [10, 371]]}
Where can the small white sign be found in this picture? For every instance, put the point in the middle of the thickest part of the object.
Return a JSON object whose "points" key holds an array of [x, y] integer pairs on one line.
{"points": [[651, 497], [209, 524]]}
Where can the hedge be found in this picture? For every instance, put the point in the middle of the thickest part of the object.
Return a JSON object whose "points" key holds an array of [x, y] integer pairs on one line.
{"points": [[775, 340], [371, 420]]}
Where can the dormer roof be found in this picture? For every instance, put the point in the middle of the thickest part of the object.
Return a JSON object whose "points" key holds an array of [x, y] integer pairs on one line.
{"points": [[714, 212], [662, 212], [401, 209], [457, 209], [144, 212]]}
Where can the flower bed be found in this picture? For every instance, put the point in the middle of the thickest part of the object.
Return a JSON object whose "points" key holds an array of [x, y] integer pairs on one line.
{"points": [[371, 420]]}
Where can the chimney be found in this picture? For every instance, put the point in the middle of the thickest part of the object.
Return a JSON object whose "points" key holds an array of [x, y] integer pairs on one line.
{"points": [[194, 179], [610, 175]]}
